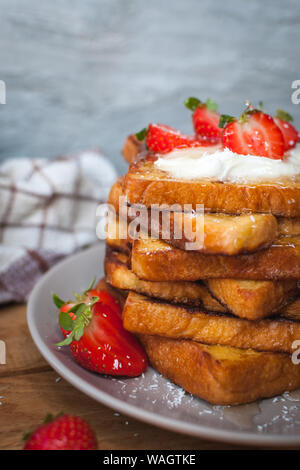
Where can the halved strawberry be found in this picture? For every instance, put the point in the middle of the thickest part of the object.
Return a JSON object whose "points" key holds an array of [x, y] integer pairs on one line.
{"points": [[290, 133], [255, 133], [66, 309], [97, 339], [206, 120], [106, 347], [164, 139]]}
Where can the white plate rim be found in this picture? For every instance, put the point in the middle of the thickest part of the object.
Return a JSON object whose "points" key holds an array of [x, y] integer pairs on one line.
{"points": [[175, 425]]}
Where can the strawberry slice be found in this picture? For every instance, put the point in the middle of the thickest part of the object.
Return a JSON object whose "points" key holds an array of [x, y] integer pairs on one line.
{"points": [[206, 120], [290, 133], [96, 337], [106, 347], [255, 133], [164, 139]]}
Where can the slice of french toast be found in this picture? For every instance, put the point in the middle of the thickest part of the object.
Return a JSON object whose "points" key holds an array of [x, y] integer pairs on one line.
{"points": [[146, 184], [218, 233], [246, 299], [253, 299], [120, 276], [149, 316], [155, 260], [219, 374]]}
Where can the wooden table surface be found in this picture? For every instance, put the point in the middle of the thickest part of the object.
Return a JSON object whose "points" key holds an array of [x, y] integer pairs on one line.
{"points": [[30, 388]]}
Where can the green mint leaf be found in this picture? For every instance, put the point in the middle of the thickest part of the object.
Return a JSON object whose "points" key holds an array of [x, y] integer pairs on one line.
{"points": [[192, 103], [284, 115], [211, 105], [226, 119], [141, 135], [65, 321], [58, 302], [260, 106]]}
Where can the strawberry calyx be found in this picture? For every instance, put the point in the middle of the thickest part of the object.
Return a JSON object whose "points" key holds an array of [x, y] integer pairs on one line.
{"points": [[244, 117], [283, 115], [193, 103], [73, 320], [289, 131], [83, 312], [142, 134], [226, 119]]}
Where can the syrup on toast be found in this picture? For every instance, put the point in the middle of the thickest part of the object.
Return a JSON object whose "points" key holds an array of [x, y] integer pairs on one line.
{"points": [[219, 374], [146, 184], [280, 261], [145, 315]]}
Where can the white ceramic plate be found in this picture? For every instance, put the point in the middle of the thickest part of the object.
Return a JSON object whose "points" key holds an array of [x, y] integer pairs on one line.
{"points": [[151, 398]]}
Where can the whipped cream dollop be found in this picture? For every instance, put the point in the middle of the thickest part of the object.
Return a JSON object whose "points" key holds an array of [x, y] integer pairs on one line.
{"points": [[221, 164]]}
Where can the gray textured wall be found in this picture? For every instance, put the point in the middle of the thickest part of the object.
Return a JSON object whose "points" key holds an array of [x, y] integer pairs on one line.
{"points": [[86, 73]]}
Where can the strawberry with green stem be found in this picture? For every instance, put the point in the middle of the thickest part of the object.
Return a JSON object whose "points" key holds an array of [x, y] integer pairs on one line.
{"points": [[254, 133], [205, 120], [96, 337], [163, 139]]}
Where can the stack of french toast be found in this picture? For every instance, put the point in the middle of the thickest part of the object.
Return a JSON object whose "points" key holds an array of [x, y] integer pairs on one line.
{"points": [[216, 308]]}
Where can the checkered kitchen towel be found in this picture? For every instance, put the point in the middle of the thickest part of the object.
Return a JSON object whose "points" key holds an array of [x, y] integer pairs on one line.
{"points": [[47, 211]]}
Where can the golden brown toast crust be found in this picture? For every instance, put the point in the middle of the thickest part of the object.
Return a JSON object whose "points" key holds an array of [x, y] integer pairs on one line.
{"points": [[219, 374], [253, 299], [223, 234], [154, 260], [218, 233], [120, 276], [143, 315], [246, 299], [145, 184]]}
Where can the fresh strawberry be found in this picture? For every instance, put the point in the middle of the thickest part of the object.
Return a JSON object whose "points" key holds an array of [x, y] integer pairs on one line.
{"points": [[255, 133], [66, 432], [66, 308], [97, 339], [106, 298], [164, 139], [290, 133], [206, 120]]}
